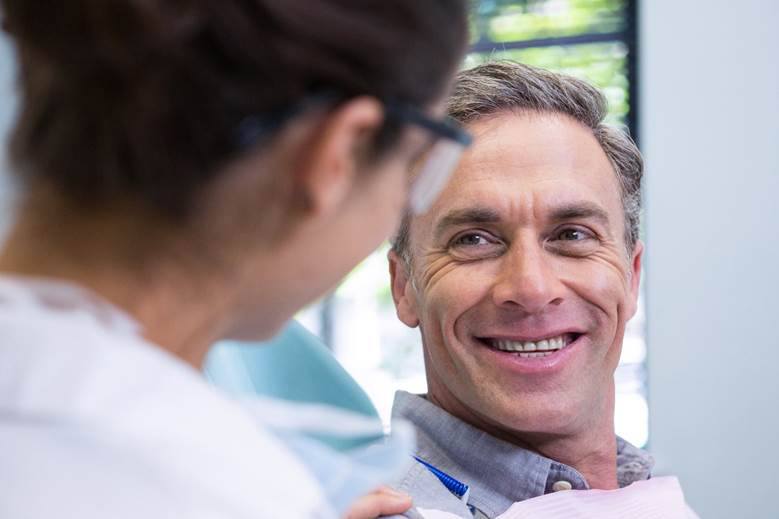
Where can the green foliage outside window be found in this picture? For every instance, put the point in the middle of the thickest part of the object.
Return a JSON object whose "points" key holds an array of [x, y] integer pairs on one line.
{"points": [[512, 20], [602, 64], [498, 23]]}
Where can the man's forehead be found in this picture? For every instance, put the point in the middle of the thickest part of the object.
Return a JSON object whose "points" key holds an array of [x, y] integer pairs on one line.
{"points": [[548, 161], [533, 141]]}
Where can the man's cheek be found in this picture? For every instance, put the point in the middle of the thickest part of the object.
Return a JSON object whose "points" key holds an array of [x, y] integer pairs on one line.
{"points": [[440, 314], [602, 287], [452, 293]]}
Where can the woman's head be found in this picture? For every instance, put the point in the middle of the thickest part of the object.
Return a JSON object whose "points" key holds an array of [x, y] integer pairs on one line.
{"points": [[236, 109], [146, 99]]}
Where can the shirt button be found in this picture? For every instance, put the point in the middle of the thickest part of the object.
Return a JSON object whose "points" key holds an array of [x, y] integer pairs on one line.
{"points": [[559, 486]]}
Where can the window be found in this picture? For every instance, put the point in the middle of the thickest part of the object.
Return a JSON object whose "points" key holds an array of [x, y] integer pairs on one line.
{"points": [[592, 39]]}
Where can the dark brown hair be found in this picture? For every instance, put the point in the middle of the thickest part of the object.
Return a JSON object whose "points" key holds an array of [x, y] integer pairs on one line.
{"points": [[144, 98]]}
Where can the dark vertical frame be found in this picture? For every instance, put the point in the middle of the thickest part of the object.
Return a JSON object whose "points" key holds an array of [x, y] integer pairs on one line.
{"points": [[631, 40]]}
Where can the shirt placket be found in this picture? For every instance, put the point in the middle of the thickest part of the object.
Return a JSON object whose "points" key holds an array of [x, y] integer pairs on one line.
{"points": [[562, 477]]}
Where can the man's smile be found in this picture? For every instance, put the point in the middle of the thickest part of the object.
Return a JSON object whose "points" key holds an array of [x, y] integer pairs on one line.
{"points": [[542, 347], [539, 354]]}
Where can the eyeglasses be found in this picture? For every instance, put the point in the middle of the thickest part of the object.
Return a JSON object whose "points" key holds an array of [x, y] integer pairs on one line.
{"points": [[440, 161]]}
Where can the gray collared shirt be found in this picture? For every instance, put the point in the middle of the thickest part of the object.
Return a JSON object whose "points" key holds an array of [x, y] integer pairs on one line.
{"points": [[497, 472]]}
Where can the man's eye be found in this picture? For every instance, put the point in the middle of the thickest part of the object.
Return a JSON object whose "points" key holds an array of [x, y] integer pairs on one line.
{"points": [[471, 240], [573, 235], [574, 241], [471, 246]]}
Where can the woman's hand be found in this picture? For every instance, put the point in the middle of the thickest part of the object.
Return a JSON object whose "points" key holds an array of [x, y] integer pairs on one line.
{"points": [[382, 501]]}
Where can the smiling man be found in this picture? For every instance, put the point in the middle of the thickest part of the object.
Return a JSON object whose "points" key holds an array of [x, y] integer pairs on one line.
{"points": [[521, 279]]}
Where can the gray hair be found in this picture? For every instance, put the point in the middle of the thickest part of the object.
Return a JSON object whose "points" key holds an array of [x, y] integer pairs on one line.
{"points": [[502, 86]]}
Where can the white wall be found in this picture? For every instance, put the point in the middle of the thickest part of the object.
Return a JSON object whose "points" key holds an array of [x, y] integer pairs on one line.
{"points": [[710, 132]]}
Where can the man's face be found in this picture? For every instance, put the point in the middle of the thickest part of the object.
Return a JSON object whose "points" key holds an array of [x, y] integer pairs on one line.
{"points": [[524, 250]]}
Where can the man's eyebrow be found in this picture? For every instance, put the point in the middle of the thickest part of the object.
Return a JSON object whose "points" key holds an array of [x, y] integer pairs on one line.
{"points": [[466, 216], [579, 210]]}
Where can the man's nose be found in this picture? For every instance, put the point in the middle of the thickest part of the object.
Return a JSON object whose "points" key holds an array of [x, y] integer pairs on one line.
{"points": [[527, 280]]}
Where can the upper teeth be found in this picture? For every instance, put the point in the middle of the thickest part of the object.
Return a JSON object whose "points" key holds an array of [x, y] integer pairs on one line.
{"points": [[554, 343]]}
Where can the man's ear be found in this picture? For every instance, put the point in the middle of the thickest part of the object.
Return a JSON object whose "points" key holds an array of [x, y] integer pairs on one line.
{"points": [[403, 293], [329, 168], [635, 275]]}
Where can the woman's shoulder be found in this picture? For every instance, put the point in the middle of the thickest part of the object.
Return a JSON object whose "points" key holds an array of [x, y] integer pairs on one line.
{"points": [[114, 423]]}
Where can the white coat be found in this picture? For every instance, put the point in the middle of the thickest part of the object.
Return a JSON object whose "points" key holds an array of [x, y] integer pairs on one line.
{"points": [[95, 422]]}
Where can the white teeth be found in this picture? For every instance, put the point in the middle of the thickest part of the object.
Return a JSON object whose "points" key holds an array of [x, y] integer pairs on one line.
{"points": [[543, 347], [531, 355]]}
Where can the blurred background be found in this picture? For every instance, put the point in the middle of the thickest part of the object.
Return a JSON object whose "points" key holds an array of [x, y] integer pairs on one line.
{"points": [[697, 84]]}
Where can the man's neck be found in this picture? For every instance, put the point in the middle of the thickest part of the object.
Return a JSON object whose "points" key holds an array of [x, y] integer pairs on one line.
{"points": [[593, 455], [591, 449]]}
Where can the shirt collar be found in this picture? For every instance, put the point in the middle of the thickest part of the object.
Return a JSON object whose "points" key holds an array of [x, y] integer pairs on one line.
{"points": [[35, 294], [513, 473]]}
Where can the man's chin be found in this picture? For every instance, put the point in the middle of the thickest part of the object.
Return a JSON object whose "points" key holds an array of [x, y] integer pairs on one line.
{"points": [[534, 421]]}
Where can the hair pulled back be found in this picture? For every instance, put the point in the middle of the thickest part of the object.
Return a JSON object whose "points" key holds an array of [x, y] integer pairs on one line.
{"points": [[142, 98]]}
